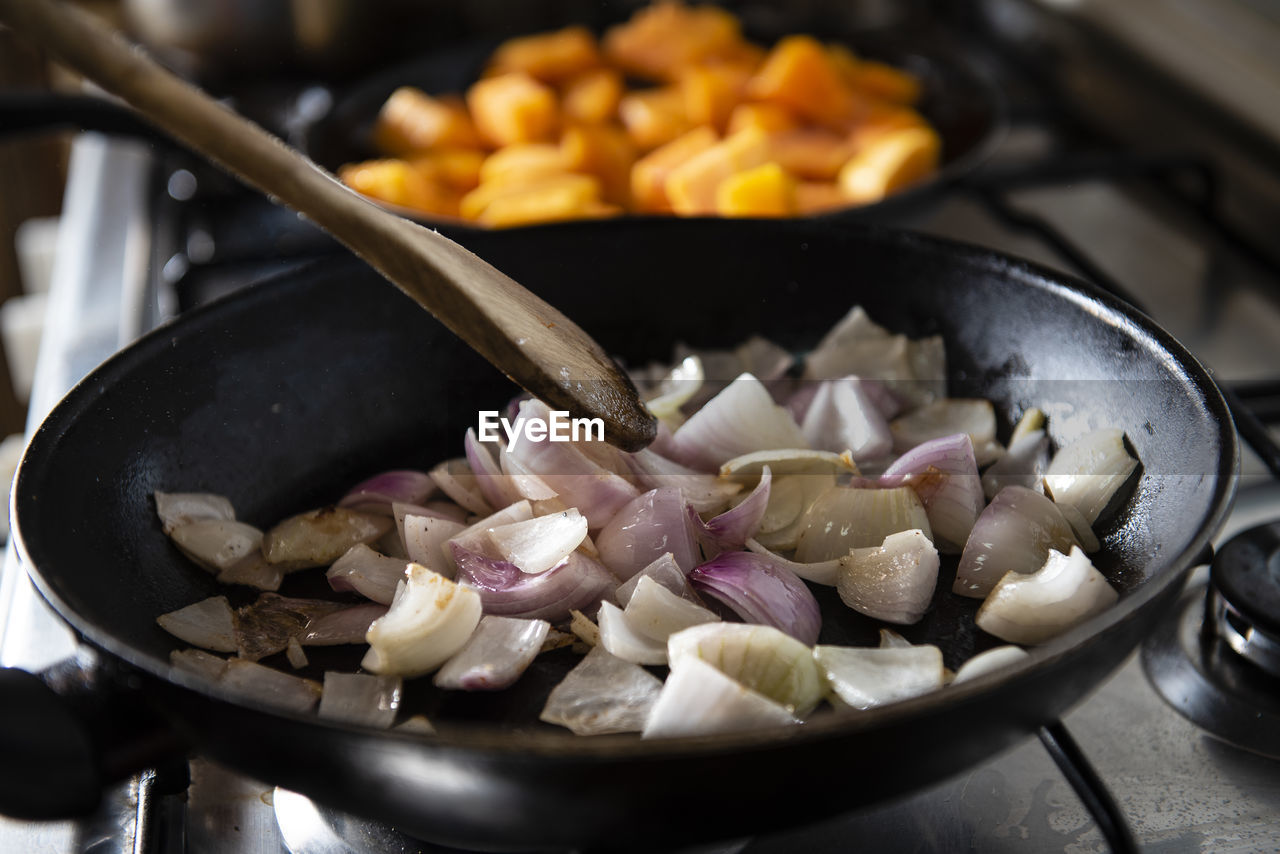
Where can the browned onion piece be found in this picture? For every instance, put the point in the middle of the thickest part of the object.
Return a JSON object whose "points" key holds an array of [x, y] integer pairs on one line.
{"points": [[319, 537], [266, 625]]}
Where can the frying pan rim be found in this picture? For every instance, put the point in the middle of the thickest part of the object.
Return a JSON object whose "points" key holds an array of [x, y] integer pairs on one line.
{"points": [[625, 747]]}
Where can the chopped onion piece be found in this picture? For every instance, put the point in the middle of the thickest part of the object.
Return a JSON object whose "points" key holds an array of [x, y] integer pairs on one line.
{"points": [[741, 419], [666, 572], [426, 541], [577, 583], [583, 629], [199, 662], [1087, 473], [496, 488], [1032, 421], [760, 590], [542, 542], [844, 518], [1024, 465], [843, 417], [650, 526], [703, 492], [359, 698], [867, 677], [824, 572], [350, 625], [763, 358], [602, 694], [1087, 540], [319, 537], [476, 538], [857, 345], [416, 725], [430, 619], [1033, 608], [944, 475], [790, 498], [787, 461], [893, 582], [253, 571], [993, 659], [456, 480], [296, 655], [372, 575], [657, 613], [732, 528], [974, 416], [178, 508], [626, 642], [697, 699], [762, 658], [270, 621], [498, 651], [208, 624], [525, 483], [217, 544], [889, 639], [1013, 534], [263, 684], [676, 388], [378, 493]]}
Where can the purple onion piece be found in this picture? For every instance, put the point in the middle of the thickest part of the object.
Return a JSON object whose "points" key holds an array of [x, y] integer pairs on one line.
{"points": [[378, 493], [647, 528], [349, 625], [577, 584], [944, 475], [731, 529], [761, 591]]}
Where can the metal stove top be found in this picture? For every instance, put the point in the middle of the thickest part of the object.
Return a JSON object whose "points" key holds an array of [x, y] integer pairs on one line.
{"points": [[124, 262]]}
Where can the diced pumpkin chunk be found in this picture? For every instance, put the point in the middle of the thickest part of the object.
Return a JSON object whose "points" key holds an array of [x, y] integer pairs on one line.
{"points": [[888, 163], [810, 152], [458, 168], [886, 82], [604, 151], [814, 197], [551, 200], [649, 174], [711, 92], [661, 40], [513, 108], [523, 162], [653, 117], [798, 73], [691, 186], [550, 57], [412, 121], [765, 190], [769, 118], [880, 118], [592, 97], [398, 183], [582, 189]]}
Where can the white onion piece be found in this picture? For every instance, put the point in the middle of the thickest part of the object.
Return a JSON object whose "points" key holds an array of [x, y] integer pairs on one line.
{"points": [[625, 641], [350, 625], [319, 537], [741, 419], [583, 629], [1032, 420], [359, 698], [889, 639], [456, 480], [868, 677], [542, 542], [676, 389], [857, 345], [378, 493], [1029, 609], [524, 482], [178, 508], [1087, 540], [787, 461], [651, 525], [433, 511], [476, 537], [823, 572], [217, 544], [893, 582], [657, 613], [253, 681], [426, 541], [199, 662], [295, 654], [974, 416], [993, 659], [1087, 473], [372, 575], [253, 571], [843, 417], [208, 624], [732, 528], [498, 651], [1013, 534], [760, 590], [602, 694], [580, 481], [944, 475], [667, 573], [576, 584], [497, 489], [762, 658], [704, 492], [790, 498], [430, 619], [697, 699], [844, 518], [1023, 464], [763, 358]]}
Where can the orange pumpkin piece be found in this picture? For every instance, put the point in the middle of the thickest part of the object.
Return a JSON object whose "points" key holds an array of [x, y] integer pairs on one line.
{"points": [[550, 57], [891, 161], [764, 190], [769, 118], [513, 108], [605, 152], [584, 188], [523, 162], [661, 40], [880, 118], [592, 97], [886, 82], [691, 186], [398, 183], [559, 197], [798, 73], [654, 117], [845, 62], [711, 92], [810, 152], [458, 168], [815, 197], [649, 174], [412, 121]]}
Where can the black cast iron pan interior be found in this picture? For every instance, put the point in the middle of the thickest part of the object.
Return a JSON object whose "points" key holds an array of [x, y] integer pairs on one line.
{"points": [[281, 396]]}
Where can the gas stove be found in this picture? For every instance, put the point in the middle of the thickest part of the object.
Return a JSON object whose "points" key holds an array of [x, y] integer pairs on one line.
{"points": [[1180, 745]]}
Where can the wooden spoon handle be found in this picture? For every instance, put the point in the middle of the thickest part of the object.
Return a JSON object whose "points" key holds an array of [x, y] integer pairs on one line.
{"points": [[522, 335]]}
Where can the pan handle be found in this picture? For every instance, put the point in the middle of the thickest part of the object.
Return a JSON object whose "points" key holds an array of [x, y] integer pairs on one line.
{"points": [[36, 112], [70, 731]]}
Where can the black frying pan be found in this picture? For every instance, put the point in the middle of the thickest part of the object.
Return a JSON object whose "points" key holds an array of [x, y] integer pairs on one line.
{"points": [[285, 393]]}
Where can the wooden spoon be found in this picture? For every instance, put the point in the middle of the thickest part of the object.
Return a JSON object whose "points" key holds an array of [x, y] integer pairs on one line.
{"points": [[522, 335]]}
